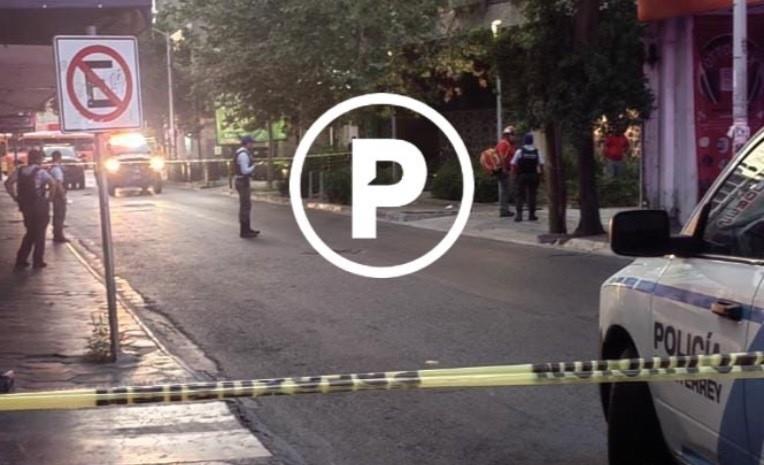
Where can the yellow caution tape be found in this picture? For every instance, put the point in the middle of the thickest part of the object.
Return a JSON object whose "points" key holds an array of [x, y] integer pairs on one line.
{"points": [[734, 366]]}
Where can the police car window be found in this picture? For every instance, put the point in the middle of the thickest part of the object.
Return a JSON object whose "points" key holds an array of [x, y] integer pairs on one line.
{"points": [[735, 223]]}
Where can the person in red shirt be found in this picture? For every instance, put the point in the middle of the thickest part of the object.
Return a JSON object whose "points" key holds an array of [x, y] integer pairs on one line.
{"points": [[505, 149], [614, 151]]}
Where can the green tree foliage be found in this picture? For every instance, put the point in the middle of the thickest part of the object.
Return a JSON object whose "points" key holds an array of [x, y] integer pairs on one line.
{"points": [[269, 59], [570, 64]]}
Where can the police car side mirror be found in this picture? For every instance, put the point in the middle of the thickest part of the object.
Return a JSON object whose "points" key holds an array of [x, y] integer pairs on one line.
{"points": [[641, 233]]}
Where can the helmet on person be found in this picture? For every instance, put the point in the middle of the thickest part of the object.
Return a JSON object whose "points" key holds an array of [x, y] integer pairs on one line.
{"points": [[509, 130]]}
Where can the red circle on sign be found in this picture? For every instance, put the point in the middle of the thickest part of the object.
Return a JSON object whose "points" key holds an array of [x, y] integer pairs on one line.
{"points": [[78, 62]]}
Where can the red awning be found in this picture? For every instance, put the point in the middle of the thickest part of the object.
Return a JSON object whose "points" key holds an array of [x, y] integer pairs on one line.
{"points": [[655, 10]]}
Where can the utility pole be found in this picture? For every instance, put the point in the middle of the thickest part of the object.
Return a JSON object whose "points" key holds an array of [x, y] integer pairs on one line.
{"points": [[498, 107], [739, 132], [495, 25], [170, 96]]}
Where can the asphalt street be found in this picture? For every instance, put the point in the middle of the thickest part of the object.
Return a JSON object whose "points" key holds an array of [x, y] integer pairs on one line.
{"points": [[272, 307]]}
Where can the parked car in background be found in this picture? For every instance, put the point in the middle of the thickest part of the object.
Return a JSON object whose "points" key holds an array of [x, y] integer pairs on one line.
{"points": [[82, 144], [74, 167]]}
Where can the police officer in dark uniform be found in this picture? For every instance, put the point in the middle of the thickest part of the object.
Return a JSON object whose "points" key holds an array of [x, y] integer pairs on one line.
{"points": [[27, 185], [527, 165], [243, 168]]}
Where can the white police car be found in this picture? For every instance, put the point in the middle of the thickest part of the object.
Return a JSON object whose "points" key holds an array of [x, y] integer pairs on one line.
{"points": [[697, 293]]}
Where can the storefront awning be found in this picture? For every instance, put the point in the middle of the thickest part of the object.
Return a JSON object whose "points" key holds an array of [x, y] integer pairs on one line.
{"points": [[35, 22], [656, 10], [27, 27]]}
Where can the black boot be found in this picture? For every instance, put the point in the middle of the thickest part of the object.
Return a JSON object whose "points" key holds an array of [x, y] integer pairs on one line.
{"points": [[246, 231]]}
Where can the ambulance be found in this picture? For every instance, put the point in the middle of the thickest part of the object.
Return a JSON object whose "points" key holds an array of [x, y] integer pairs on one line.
{"points": [[698, 292]]}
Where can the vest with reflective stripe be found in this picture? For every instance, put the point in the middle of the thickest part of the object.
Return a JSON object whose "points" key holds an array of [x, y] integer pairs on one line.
{"points": [[528, 163]]}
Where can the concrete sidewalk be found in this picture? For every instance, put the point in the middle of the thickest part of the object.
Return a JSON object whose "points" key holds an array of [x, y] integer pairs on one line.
{"points": [[438, 215], [45, 323]]}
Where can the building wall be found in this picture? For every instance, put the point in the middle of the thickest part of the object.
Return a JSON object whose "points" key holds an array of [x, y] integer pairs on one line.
{"points": [[476, 127]]}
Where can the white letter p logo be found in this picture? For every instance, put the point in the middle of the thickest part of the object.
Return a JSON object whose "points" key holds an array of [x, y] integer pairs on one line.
{"points": [[367, 198]]}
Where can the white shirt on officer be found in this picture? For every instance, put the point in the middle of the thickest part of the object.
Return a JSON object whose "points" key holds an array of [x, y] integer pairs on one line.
{"points": [[57, 171], [246, 167]]}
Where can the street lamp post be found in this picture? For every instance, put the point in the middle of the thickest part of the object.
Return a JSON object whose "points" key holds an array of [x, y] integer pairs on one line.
{"points": [[495, 25], [170, 93], [740, 131]]}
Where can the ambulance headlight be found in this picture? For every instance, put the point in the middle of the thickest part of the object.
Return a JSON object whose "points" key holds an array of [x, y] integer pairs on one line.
{"points": [[112, 165], [157, 163]]}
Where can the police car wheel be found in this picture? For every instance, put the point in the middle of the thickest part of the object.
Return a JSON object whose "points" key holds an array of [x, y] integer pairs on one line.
{"points": [[634, 433]]}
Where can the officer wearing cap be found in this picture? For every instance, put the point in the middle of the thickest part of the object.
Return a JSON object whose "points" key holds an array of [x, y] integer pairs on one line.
{"points": [[243, 168], [528, 166]]}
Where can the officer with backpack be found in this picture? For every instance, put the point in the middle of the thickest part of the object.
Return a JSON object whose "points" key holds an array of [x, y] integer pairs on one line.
{"points": [[27, 185], [528, 166], [243, 166]]}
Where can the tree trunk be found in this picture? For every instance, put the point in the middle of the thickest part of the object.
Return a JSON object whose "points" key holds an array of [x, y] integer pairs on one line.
{"points": [[586, 19], [589, 224], [555, 180]]}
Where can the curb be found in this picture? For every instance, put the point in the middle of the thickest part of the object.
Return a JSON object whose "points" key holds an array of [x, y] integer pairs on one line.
{"points": [[80, 251], [573, 244], [584, 245]]}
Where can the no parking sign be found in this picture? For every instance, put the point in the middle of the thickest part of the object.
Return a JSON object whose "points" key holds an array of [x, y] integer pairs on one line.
{"points": [[98, 81]]}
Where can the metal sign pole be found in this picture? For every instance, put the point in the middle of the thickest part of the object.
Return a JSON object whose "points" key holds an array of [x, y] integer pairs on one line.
{"points": [[108, 250], [106, 240]]}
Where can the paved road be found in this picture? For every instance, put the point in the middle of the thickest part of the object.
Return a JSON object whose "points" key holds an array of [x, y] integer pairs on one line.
{"points": [[272, 307]]}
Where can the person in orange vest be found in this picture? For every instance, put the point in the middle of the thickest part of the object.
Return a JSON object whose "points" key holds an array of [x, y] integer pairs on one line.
{"points": [[500, 167]]}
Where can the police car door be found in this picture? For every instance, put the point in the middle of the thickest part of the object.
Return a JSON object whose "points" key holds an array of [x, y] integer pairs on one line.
{"points": [[754, 389], [703, 305]]}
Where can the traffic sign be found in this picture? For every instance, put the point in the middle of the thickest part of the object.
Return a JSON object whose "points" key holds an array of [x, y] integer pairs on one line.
{"points": [[98, 82]]}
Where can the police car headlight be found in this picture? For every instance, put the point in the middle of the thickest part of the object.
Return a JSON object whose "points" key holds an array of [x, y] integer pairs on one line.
{"points": [[112, 165], [157, 164]]}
